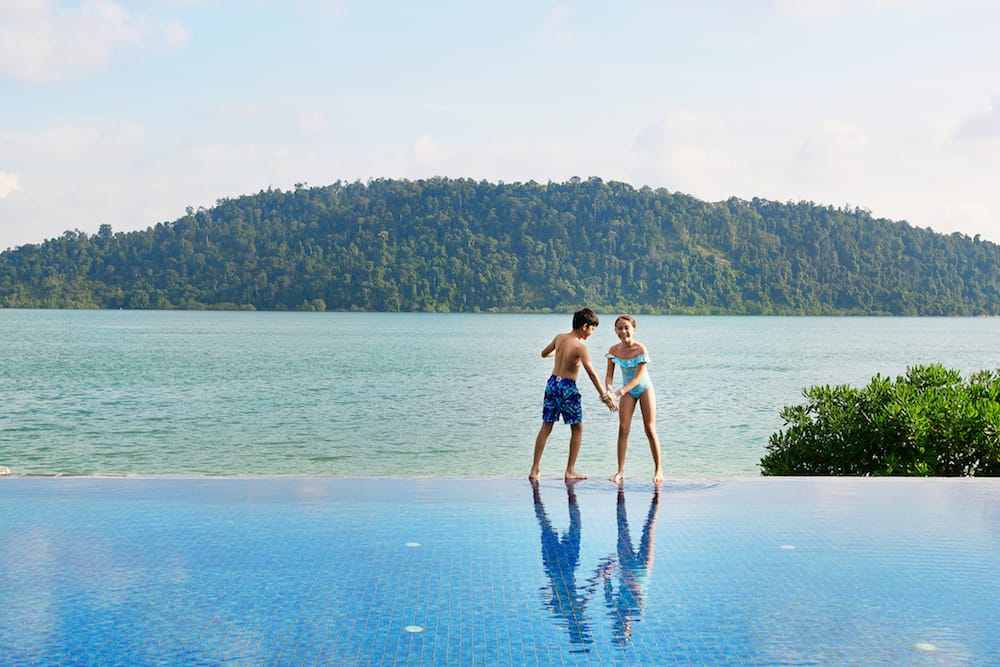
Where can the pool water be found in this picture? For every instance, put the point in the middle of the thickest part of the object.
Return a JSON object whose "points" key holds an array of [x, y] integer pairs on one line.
{"points": [[323, 571]]}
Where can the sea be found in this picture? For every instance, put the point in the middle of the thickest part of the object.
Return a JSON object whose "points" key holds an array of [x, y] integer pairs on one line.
{"points": [[190, 393]]}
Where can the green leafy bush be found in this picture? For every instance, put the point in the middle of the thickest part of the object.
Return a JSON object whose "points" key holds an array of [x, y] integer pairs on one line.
{"points": [[927, 422]]}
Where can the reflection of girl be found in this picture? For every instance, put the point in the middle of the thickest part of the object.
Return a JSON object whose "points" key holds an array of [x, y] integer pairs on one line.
{"points": [[625, 604], [632, 357]]}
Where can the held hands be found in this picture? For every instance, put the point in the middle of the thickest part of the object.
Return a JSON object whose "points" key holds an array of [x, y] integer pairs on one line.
{"points": [[608, 398]]}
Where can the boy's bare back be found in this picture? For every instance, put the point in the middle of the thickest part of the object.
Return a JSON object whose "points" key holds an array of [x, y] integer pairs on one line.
{"points": [[569, 352]]}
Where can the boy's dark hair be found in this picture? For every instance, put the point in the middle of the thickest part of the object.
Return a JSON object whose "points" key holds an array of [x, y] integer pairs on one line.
{"points": [[584, 316]]}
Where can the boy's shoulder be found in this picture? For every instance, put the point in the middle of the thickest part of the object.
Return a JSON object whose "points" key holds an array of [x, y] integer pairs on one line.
{"points": [[569, 340]]}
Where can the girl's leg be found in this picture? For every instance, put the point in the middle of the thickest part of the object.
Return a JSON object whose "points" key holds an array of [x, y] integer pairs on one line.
{"points": [[647, 404], [626, 408]]}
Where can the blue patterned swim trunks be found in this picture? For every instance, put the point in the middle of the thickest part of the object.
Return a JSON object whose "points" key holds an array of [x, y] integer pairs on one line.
{"points": [[562, 397]]}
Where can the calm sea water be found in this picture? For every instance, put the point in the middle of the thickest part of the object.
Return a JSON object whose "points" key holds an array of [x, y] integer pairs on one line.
{"points": [[363, 394]]}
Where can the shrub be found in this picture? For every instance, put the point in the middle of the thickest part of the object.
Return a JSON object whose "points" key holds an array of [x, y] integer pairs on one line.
{"points": [[927, 422]]}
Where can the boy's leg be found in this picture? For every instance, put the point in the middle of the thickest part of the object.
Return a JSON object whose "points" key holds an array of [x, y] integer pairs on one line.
{"points": [[543, 435], [575, 438]]}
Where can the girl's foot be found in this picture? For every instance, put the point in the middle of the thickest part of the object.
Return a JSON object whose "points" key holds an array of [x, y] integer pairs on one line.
{"points": [[617, 478], [572, 475]]}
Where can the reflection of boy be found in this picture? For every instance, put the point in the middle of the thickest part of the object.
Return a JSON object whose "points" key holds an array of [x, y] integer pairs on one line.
{"points": [[562, 396], [560, 557]]}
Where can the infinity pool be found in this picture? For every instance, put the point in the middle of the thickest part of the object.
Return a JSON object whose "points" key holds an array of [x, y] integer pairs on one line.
{"points": [[320, 571]]}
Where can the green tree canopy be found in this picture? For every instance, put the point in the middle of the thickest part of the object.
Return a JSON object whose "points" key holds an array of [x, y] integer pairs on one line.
{"points": [[440, 245]]}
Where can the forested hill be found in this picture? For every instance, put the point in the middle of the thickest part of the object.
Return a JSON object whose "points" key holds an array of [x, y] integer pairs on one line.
{"points": [[442, 245]]}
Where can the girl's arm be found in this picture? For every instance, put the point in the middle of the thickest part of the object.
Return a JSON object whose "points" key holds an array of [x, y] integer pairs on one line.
{"points": [[639, 371]]}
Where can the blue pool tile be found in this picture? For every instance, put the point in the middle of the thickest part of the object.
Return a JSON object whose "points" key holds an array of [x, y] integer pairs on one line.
{"points": [[314, 571]]}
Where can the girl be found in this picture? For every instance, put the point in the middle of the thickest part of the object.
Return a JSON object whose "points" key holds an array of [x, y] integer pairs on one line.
{"points": [[632, 357]]}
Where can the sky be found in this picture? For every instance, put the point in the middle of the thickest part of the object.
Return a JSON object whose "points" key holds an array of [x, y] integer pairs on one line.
{"points": [[127, 112]]}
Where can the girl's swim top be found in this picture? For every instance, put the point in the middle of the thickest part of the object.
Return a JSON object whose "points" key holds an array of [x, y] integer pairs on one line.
{"points": [[629, 367]]}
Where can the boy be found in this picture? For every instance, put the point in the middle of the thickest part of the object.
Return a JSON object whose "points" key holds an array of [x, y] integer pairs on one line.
{"points": [[562, 397]]}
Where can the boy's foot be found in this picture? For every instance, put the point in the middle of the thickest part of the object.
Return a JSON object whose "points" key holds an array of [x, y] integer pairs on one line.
{"points": [[617, 478], [533, 475], [571, 475], [658, 477]]}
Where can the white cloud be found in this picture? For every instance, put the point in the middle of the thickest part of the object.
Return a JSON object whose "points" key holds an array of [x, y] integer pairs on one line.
{"points": [[831, 9], [685, 151], [986, 125], [250, 112], [335, 9], [425, 151], [678, 128], [72, 144], [557, 22], [17, 8], [9, 183], [42, 41], [313, 123], [66, 177], [176, 34], [972, 217], [836, 151]]}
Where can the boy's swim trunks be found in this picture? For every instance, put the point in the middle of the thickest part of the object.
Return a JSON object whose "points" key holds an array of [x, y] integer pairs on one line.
{"points": [[562, 397]]}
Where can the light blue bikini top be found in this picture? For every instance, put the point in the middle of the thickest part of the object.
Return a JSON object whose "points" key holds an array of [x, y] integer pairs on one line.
{"points": [[628, 367], [629, 363]]}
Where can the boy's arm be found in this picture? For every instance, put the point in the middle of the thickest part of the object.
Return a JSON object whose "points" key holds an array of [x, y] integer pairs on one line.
{"points": [[589, 367], [550, 349], [609, 375]]}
